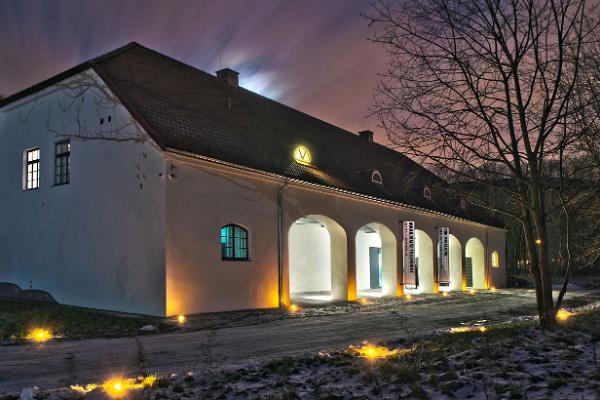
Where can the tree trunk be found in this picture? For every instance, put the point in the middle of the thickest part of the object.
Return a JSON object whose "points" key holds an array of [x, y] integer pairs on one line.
{"points": [[540, 268], [547, 315]]}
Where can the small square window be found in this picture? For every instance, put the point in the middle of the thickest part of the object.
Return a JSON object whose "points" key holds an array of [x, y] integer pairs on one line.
{"points": [[32, 169]]}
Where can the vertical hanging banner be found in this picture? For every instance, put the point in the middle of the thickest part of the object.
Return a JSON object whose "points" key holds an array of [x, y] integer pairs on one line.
{"points": [[444, 256], [408, 259]]}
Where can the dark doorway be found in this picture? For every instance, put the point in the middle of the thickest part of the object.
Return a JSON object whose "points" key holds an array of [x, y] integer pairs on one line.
{"points": [[469, 271], [375, 267]]}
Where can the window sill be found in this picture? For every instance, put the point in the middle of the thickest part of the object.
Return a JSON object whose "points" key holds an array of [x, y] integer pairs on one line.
{"points": [[236, 259]]}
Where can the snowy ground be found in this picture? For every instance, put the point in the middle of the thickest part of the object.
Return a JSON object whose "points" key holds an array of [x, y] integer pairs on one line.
{"points": [[511, 361], [507, 361]]}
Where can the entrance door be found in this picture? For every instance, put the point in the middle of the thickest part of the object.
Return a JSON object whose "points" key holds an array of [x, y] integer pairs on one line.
{"points": [[375, 267], [469, 271]]}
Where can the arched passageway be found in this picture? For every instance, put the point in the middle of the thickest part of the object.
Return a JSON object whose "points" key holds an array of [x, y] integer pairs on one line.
{"points": [[376, 262], [455, 258], [318, 268], [424, 264], [475, 264]]}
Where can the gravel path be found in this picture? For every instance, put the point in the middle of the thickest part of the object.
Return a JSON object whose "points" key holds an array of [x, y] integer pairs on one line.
{"points": [[63, 363]]}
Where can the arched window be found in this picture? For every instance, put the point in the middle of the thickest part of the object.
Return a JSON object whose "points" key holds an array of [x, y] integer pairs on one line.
{"points": [[427, 193], [495, 259], [234, 243], [376, 177]]}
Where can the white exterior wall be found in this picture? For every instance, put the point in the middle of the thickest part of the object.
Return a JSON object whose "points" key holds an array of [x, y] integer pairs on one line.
{"points": [[99, 240], [200, 200], [310, 258], [496, 241]]}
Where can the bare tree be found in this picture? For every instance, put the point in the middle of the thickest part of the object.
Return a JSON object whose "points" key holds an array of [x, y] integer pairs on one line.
{"points": [[485, 89]]}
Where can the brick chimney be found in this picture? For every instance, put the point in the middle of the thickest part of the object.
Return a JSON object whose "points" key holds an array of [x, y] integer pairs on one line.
{"points": [[366, 135], [229, 76]]}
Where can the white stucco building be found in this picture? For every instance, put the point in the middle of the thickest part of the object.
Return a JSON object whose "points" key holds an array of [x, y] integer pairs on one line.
{"points": [[134, 182]]}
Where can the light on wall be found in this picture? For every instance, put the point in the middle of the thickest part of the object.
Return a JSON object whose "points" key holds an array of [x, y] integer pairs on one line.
{"points": [[302, 155]]}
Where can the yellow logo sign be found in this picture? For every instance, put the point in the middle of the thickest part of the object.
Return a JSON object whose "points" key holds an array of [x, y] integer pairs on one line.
{"points": [[302, 155]]}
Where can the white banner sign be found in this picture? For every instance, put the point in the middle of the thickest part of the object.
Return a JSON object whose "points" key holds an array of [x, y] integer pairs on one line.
{"points": [[444, 256], [408, 259]]}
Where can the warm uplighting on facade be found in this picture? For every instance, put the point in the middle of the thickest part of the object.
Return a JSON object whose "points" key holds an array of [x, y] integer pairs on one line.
{"points": [[294, 308], [39, 335], [372, 352], [181, 319], [563, 314]]}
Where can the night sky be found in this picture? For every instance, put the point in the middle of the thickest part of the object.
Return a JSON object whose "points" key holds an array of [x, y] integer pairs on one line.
{"points": [[312, 55]]}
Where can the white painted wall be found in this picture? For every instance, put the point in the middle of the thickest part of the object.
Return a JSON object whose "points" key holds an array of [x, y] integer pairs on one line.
{"points": [[201, 198], [497, 276], [365, 240], [310, 258], [98, 241]]}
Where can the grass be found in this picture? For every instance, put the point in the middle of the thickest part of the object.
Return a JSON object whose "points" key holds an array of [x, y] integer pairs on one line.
{"points": [[17, 318]]}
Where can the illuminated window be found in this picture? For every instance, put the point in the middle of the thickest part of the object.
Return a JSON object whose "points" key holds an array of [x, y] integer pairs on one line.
{"points": [[62, 163], [495, 259], [302, 155], [234, 243], [32, 169]]}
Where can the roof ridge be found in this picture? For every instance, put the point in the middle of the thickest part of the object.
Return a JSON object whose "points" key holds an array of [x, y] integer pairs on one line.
{"points": [[61, 76], [295, 110], [118, 51], [96, 61]]}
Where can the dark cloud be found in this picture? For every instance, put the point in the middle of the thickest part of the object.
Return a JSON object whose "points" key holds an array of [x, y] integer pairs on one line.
{"points": [[312, 55]]}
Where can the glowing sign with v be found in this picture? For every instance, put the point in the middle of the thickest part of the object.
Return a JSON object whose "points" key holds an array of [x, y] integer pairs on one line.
{"points": [[302, 155]]}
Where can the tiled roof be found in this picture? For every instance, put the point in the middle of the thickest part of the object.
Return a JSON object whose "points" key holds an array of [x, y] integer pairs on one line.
{"points": [[189, 110]]}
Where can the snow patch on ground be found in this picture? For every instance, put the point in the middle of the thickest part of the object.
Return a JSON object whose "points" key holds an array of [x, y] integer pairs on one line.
{"points": [[511, 362]]}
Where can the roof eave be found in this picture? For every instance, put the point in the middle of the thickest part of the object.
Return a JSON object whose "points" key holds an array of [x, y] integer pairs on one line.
{"points": [[332, 188]]}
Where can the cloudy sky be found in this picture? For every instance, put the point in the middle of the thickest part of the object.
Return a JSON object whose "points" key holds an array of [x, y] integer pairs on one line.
{"points": [[310, 54]]}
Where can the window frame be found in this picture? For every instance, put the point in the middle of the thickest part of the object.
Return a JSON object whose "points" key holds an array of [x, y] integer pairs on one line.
{"points": [[27, 163], [235, 233], [60, 178]]}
